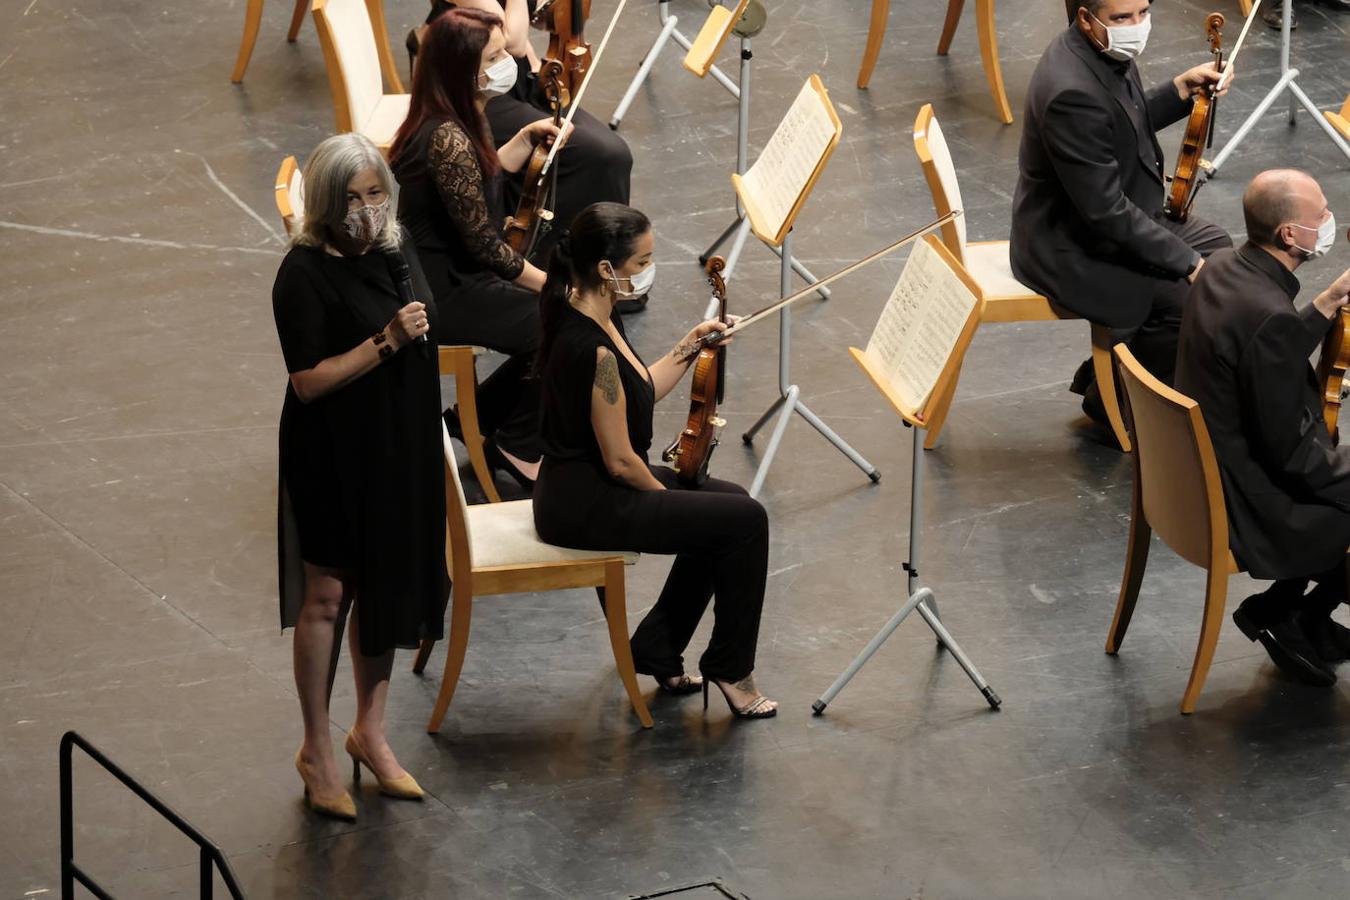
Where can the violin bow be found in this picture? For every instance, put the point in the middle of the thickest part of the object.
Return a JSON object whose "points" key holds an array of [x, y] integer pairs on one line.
{"points": [[716, 337], [576, 100], [1237, 48]]}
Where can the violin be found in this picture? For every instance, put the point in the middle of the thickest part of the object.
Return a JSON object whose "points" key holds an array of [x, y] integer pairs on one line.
{"points": [[1192, 168], [533, 215], [1331, 369], [691, 450], [565, 22]]}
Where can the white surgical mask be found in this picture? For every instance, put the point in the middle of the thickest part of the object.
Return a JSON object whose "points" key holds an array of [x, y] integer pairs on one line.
{"points": [[638, 285], [1326, 238], [501, 76], [1125, 42], [366, 223]]}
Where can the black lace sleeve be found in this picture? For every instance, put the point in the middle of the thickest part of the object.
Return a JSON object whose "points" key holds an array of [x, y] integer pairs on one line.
{"points": [[459, 181]]}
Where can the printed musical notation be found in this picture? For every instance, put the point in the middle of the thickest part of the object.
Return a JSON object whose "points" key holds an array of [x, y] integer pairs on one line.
{"points": [[786, 167], [919, 327]]}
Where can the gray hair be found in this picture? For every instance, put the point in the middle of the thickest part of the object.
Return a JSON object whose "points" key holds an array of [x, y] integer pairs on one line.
{"points": [[330, 168]]}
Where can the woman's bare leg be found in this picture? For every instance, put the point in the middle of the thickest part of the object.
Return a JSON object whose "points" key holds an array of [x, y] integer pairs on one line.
{"points": [[372, 692], [317, 642]]}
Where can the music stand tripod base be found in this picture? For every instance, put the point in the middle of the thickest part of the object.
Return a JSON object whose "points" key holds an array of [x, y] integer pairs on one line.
{"points": [[667, 32], [789, 394], [920, 598]]}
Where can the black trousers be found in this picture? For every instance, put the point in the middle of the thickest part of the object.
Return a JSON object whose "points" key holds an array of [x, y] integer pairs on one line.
{"points": [[1286, 598], [497, 314], [1154, 343], [595, 165], [720, 538]]}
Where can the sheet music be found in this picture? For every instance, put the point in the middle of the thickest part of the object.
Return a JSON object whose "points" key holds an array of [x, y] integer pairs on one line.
{"points": [[784, 169], [919, 327]]}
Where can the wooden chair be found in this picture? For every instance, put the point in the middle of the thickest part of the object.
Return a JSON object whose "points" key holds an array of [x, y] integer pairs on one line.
{"points": [[456, 360], [1177, 492], [1005, 298], [289, 194], [984, 22], [493, 549], [350, 33], [253, 21], [1341, 120]]}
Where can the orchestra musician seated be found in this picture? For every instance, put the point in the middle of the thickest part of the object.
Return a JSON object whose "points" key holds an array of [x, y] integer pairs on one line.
{"points": [[1243, 356], [596, 488], [450, 175], [1088, 229], [597, 165]]}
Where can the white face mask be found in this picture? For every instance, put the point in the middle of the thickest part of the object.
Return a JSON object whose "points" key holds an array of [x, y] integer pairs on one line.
{"points": [[1326, 238], [1125, 42], [638, 285], [501, 77], [366, 223]]}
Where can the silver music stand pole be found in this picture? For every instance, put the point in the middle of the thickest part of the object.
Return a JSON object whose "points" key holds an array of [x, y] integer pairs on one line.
{"points": [[1287, 81], [668, 31], [789, 394], [920, 598]]}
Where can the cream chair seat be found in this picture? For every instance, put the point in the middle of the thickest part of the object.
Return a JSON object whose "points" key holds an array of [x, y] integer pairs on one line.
{"points": [[502, 534]]}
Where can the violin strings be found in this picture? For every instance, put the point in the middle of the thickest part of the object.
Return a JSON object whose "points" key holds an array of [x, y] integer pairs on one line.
{"points": [[576, 101]]}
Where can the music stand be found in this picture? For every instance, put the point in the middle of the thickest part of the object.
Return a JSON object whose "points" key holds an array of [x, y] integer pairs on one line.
{"points": [[919, 598]]}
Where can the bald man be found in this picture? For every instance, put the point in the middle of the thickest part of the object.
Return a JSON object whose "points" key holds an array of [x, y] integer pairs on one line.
{"points": [[1243, 356]]}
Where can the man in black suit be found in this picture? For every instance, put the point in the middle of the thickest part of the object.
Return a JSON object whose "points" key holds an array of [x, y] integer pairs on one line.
{"points": [[1243, 356], [1088, 229]]}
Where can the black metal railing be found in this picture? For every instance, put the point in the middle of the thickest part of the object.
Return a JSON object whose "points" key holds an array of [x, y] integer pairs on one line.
{"points": [[211, 857]]}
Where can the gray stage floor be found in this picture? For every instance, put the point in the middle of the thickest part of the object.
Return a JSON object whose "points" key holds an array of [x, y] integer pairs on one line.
{"points": [[138, 410]]}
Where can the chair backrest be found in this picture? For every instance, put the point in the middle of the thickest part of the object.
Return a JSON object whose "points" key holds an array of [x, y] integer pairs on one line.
{"points": [[457, 544], [352, 58], [1178, 476], [289, 193], [939, 171]]}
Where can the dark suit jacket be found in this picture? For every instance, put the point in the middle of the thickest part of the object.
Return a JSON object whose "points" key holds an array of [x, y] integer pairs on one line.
{"points": [[1086, 217], [1243, 357]]}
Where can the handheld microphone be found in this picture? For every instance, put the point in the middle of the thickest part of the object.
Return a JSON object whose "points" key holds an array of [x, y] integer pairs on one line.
{"points": [[402, 275]]}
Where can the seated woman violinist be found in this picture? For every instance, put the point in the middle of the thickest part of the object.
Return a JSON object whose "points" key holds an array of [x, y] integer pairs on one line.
{"points": [[596, 488]]}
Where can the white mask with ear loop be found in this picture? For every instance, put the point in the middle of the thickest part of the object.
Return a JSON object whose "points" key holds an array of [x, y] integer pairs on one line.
{"points": [[1125, 42], [638, 285], [1326, 238], [501, 77]]}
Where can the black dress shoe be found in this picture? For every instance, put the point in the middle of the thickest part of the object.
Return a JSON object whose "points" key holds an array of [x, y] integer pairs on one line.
{"points": [[1287, 645], [1273, 16], [1329, 638], [1083, 378]]}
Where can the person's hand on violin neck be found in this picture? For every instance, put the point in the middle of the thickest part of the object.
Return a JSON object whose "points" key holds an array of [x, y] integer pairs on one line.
{"points": [[1337, 294], [1199, 78], [692, 342]]}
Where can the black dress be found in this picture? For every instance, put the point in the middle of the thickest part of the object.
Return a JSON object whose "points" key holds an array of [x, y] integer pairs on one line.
{"points": [[719, 534], [454, 215], [361, 475]]}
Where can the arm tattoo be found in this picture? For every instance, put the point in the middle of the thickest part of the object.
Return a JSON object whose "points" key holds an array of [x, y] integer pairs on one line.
{"points": [[607, 378], [684, 351]]}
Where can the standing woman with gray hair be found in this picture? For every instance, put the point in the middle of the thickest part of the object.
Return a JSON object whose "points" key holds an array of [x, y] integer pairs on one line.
{"points": [[361, 505]]}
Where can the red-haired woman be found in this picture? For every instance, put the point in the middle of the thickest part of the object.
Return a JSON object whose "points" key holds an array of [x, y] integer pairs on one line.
{"points": [[450, 201]]}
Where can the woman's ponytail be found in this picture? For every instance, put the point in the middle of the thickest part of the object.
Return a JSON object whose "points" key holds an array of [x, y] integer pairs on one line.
{"points": [[553, 298]]}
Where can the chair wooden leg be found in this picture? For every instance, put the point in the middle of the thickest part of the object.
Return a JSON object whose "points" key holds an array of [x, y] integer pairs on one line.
{"points": [[939, 415], [876, 33], [461, 610], [954, 9], [423, 654], [387, 63], [1103, 366], [1136, 558], [993, 70], [616, 614], [297, 19], [466, 396], [1216, 595], [252, 21]]}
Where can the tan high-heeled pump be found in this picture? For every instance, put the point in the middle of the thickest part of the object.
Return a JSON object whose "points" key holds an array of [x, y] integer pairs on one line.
{"points": [[338, 806], [405, 787]]}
